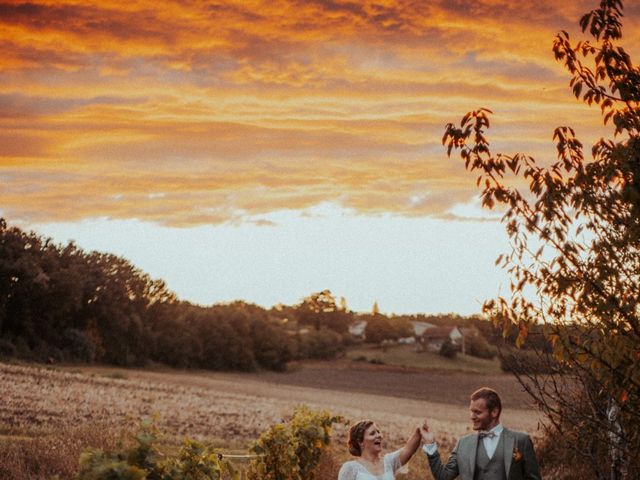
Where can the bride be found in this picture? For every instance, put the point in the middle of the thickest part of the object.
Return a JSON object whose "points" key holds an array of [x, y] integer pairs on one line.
{"points": [[365, 443]]}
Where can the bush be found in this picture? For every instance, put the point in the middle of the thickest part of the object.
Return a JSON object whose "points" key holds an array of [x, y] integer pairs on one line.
{"points": [[477, 346], [40, 453], [379, 328], [271, 346], [293, 450], [567, 453], [78, 345], [7, 349], [320, 344], [194, 461], [526, 362], [448, 349]]}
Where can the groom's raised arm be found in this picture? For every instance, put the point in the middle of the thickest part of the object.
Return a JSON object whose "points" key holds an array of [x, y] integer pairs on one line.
{"points": [[430, 448], [439, 470]]}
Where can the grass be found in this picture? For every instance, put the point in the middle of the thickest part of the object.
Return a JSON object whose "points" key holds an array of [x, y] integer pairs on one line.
{"points": [[406, 356], [115, 375], [37, 447], [39, 453]]}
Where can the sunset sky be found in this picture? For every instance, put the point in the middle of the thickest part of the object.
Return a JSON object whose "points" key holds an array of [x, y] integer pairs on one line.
{"points": [[265, 150]]}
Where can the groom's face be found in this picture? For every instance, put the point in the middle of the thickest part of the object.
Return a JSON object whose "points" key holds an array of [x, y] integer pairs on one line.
{"points": [[481, 417]]}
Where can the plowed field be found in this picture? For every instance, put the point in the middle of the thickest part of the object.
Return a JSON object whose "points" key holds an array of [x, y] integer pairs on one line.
{"points": [[234, 408]]}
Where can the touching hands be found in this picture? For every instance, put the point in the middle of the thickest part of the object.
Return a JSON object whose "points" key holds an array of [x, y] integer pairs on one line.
{"points": [[427, 436]]}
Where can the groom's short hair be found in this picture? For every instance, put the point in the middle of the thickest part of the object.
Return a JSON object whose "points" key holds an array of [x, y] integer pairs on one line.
{"points": [[491, 398]]}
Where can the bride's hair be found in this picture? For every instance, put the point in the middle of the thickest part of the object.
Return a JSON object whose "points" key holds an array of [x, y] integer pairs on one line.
{"points": [[356, 436]]}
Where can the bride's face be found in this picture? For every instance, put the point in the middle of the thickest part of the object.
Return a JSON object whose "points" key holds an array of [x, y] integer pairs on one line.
{"points": [[372, 441]]}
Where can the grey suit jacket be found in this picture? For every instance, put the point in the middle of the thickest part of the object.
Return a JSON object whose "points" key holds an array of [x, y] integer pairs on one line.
{"points": [[519, 458]]}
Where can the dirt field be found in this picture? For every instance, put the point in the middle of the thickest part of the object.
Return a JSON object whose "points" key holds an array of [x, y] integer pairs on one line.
{"points": [[234, 408], [428, 385]]}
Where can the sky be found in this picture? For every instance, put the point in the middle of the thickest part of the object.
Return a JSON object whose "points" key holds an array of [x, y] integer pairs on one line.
{"points": [[265, 150]]}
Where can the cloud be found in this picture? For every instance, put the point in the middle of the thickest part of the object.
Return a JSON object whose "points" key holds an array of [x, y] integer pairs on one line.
{"points": [[187, 112]]}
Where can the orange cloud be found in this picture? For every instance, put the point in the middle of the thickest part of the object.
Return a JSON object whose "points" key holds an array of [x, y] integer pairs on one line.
{"points": [[186, 112]]}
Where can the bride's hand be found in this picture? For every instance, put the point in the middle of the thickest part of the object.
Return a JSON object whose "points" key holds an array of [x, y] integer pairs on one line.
{"points": [[427, 436]]}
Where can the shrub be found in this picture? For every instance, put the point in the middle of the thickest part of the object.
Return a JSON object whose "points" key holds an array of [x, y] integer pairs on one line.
{"points": [[7, 349], [448, 349], [526, 362], [563, 449], [292, 450], [78, 345], [28, 455], [144, 461], [477, 346], [320, 344], [378, 329]]}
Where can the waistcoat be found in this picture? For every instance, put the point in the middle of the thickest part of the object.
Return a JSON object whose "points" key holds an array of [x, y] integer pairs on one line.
{"points": [[490, 468]]}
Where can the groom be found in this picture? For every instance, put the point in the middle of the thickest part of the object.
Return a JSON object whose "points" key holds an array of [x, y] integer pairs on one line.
{"points": [[493, 453]]}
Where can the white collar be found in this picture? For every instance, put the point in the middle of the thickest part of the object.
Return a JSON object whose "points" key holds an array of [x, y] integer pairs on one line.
{"points": [[497, 429]]}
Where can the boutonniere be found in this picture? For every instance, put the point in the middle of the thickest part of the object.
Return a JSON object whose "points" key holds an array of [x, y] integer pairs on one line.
{"points": [[517, 455]]}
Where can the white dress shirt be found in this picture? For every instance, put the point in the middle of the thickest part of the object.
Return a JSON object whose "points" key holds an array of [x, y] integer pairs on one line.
{"points": [[490, 444]]}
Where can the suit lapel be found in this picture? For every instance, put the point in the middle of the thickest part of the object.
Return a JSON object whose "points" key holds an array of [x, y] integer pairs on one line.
{"points": [[472, 454], [509, 443]]}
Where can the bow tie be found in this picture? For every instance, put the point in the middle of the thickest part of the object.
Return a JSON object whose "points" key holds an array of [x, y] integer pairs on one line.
{"points": [[482, 435]]}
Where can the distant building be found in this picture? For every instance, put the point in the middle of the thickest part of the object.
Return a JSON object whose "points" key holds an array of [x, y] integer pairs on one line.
{"points": [[357, 329], [467, 333], [420, 327], [432, 339]]}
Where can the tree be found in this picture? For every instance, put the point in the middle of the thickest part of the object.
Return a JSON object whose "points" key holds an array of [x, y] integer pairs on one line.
{"points": [[448, 349], [322, 344], [378, 329], [477, 346], [320, 311], [575, 257], [61, 303], [272, 347]]}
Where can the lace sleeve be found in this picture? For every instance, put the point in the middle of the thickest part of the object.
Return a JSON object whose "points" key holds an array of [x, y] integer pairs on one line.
{"points": [[392, 461], [347, 471]]}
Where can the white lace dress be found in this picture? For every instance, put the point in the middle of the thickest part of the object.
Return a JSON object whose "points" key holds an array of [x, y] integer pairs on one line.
{"points": [[354, 470]]}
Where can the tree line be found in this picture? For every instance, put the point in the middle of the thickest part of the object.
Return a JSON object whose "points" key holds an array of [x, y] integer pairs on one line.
{"points": [[61, 303]]}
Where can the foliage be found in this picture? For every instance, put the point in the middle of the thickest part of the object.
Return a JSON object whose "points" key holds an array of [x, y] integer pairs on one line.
{"points": [[321, 311], [144, 461], [380, 328], [43, 452], [271, 345], [569, 464], [476, 345], [292, 450], [526, 362], [575, 238], [448, 349], [196, 461], [60, 303], [320, 344]]}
